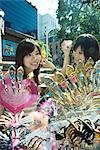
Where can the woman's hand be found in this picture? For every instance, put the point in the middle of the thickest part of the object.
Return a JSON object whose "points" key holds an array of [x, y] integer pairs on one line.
{"points": [[66, 46], [39, 121], [48, 64]]}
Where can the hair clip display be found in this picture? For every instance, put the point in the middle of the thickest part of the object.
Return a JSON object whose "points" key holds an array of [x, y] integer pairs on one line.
{"points": [[82, 94], [15, 125], [65, 116]]}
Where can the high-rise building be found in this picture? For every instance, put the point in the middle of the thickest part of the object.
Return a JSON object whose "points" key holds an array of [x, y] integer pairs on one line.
{"points": [[46, 23], [47, 32], [20, 15]]}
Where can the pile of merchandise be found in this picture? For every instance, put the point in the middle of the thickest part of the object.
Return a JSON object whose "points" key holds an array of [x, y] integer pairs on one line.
{"points": [[71, 105]]}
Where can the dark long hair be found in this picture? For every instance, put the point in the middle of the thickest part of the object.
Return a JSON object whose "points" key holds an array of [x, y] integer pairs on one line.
{"points": [[25, 47], [89, 45]]}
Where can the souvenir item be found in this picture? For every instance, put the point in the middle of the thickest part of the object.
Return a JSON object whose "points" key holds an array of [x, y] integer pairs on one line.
{"points": [[84, 88], [20, 73], [2, 79], [68, 110], [10, 97]]}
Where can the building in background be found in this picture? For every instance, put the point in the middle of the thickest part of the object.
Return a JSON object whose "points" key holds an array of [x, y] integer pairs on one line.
{"points": [[47, 32], [20, 16], [54, 45], [20, 22], [46, 23]]}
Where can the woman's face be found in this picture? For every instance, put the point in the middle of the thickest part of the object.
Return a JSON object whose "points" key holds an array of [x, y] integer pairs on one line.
{"points": [[78, 55], [32, 61]]}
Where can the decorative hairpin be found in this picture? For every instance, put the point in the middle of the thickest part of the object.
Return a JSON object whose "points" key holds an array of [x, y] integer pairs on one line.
{"points": [[49, 81], [60, 79], [1, 74], [73, 83], [89, 65], [2, 79], [34, 139], [20, 73], [95, 76], [56, 91], [32, 41], [12, 72]]}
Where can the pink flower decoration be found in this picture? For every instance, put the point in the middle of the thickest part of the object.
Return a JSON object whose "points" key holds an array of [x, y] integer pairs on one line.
{"points": [[47, 107], [15, 102]]}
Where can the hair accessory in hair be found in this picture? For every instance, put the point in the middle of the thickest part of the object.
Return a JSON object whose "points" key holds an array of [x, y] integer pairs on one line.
{"points": [[32, 41], [42, 48]]}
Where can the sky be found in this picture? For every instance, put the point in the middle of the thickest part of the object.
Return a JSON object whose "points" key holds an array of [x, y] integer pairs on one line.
{"points": [[45, 6]]}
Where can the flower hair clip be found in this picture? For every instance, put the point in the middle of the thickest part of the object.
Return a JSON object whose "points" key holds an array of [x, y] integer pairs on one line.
{"points": [[42, 48], [43, 54]]}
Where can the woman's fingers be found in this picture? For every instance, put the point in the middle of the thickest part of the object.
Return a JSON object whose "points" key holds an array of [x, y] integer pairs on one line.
{"points": [[66, 46]]}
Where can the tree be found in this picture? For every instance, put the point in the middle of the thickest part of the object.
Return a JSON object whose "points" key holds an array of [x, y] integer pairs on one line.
{"points": [[94, 3], [90, 21], [78, 16]]}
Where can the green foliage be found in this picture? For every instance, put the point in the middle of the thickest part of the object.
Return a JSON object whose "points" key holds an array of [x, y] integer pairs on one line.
{"points": [[43, 48], [78, 16], [94, 3]]}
